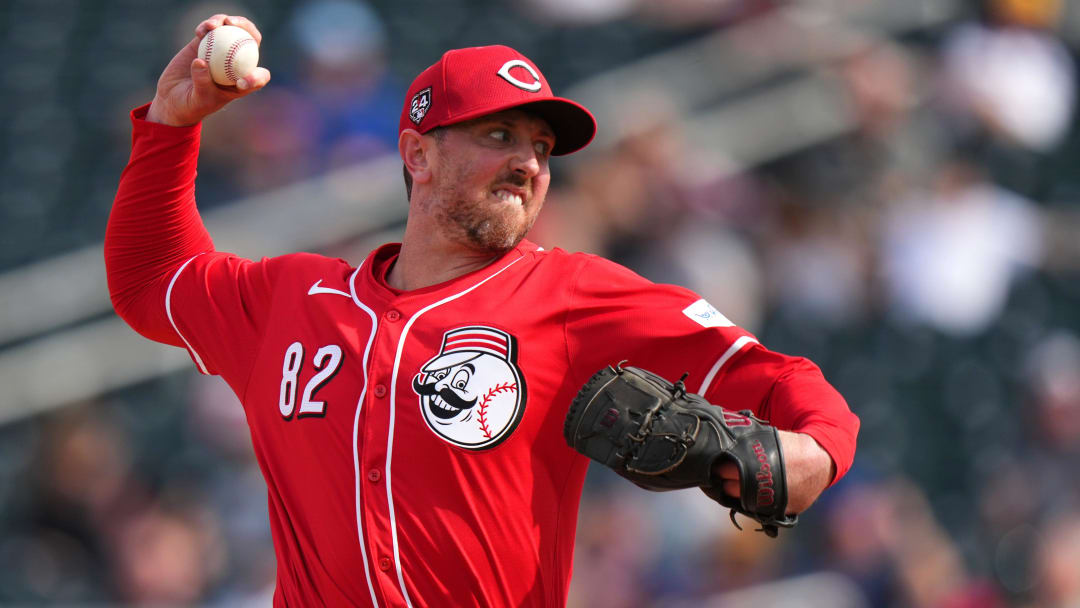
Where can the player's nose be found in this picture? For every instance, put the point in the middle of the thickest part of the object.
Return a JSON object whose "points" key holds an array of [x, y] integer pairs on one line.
{"points": [[525, 162]]}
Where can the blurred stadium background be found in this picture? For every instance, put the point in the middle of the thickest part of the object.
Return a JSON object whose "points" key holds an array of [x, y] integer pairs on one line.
{"points": [[887, 187]]}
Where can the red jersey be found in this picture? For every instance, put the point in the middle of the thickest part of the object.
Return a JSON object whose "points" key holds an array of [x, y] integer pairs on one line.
{"points": [[412, 441]]}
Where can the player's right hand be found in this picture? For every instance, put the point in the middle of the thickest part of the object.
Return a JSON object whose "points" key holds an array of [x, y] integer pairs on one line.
{"points": [[185, 92]]}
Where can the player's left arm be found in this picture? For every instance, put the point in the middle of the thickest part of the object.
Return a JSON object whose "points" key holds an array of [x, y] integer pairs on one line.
{"points": [[669, 331], [817, 428]]}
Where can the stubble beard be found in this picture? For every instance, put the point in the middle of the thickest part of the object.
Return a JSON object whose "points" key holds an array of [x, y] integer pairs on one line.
{"points": [[485, 228]]}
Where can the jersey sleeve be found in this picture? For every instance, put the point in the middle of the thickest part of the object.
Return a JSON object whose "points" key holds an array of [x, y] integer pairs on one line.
{"points": [[165, 278], [792, 394], [154, 226], [616, 315], [217, 304]]}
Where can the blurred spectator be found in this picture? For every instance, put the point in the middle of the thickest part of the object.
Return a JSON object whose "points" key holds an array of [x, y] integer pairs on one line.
{"points": [[858, 531], [1011, 76], [695, 13], [950, 255], [332, 105], [1036, 480], [819, 249], [895, 142], [344, 72], [168, 555], [817, 266], [108, 521], [1053, 370], [82, 488], [670, 13], [234, 487], [1056, 564], [885, 536], [608, 555], [817, 590], [579, 12]]}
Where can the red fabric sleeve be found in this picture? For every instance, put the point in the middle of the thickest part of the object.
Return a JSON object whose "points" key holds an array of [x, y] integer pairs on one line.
{"points": [[792, 394], [615, 315], [165, 279], [154, 226]]}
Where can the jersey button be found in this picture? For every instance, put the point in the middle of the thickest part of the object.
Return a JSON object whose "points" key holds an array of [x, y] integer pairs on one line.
{"points": [[384, 563], [380, 391], [374, 475], [392, 315]]}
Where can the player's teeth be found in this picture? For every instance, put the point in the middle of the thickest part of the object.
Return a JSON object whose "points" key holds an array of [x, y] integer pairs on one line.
{"points": [[508, 197]]}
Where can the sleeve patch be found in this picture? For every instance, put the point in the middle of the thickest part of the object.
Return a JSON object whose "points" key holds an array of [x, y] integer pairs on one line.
{"points": [[705, 315]]}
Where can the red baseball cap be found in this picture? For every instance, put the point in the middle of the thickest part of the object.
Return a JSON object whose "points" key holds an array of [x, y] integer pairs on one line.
{"points": [[471, 82]]}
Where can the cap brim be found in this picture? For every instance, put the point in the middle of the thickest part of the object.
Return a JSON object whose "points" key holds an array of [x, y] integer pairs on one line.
{"points": [[573, 125]]}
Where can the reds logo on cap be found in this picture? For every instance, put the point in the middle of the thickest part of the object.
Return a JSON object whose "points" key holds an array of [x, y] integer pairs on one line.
{"points": [[504, 71], [472, 393]]}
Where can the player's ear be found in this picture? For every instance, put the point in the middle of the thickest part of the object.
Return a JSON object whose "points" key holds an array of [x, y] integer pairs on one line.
{"points": [[416, 152]]}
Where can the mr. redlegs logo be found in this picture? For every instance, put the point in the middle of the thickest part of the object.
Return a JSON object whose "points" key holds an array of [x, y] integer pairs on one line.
{"points": [[765, 493]]}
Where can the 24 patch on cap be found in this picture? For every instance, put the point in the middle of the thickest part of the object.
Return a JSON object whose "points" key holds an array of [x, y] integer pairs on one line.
{"points": [[421, 102]]}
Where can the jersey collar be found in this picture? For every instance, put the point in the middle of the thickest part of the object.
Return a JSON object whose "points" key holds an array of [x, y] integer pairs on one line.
{"points": [[372, 279]]}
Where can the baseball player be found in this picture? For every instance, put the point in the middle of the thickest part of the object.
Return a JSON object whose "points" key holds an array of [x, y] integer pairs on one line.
{"points": [[407, 412]]}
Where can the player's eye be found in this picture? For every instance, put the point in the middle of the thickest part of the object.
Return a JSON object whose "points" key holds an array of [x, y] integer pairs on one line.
{"points": [[500, 134], [542, 148], [461, 379]]}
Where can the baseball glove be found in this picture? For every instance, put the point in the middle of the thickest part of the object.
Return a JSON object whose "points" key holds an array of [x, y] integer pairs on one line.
{"points": [[661, 437]]}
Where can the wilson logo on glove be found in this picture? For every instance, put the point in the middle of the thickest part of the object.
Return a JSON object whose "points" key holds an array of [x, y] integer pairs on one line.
{"points": [[765, 493]]}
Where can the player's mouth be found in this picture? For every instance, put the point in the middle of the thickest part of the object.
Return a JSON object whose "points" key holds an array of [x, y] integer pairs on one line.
{"points": [[512, 196]]}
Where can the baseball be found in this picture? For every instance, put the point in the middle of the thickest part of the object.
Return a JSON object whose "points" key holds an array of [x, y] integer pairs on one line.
{"points": [[231, 53]]}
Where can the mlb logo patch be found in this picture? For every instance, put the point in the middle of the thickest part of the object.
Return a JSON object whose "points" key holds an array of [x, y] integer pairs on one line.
{"points": [[705, 315], [421, 102]]}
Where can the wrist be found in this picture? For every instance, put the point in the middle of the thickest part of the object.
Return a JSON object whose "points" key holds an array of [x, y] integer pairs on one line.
{"points": [[159, 112]]}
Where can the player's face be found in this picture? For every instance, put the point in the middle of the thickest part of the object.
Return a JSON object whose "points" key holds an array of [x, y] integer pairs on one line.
{"points": [[491, 179]]}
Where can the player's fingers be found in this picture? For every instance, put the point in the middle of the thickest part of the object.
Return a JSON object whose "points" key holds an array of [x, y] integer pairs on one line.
{"points": [[728, 475], [254, 81], [244, 22], [215, 21], [726, 470], [200, 74]]}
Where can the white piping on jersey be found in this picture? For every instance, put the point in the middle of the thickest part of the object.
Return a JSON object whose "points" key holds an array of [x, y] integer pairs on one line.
{"points": [[356, 425], [168, 313], [393, 409], [316, 288], [729, 353]]}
